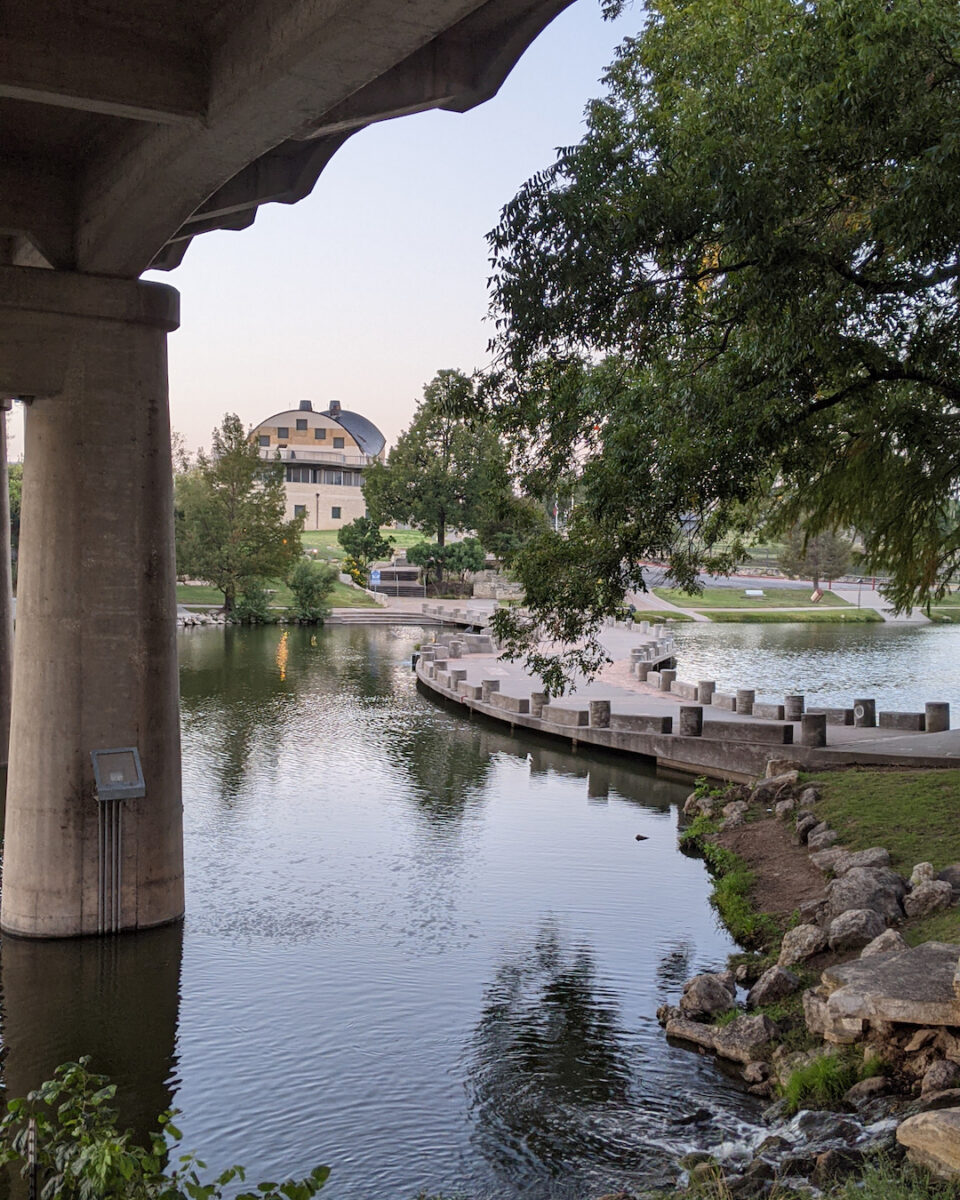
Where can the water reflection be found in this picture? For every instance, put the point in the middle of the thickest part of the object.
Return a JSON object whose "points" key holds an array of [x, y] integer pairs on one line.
{"points": [[114, 999], [549, 1052]]}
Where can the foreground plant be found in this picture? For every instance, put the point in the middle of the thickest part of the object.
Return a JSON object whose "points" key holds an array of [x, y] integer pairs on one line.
{"points": [[65, 1135]]}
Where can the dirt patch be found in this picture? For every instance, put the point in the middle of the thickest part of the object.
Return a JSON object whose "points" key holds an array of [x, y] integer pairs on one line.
{"points": [[786, 878]]}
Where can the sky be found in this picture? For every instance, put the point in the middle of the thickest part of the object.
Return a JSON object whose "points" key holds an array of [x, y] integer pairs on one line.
{"points": [[364, 290]]}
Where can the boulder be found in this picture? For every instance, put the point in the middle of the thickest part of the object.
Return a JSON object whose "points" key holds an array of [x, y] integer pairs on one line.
{"points": [[835, 1164], [847, 860], [940, 1075], [878, 888], [922, 1038], [707, 995], [914, 987], [777, 768], [691, 1031], [801, 943], [922, 873], [927, 897], [805, 822], [952, 875], [867, 1089], [744, 1039], [809, 796], [932, 1139], [825, 860], [821, 837], [768, 790], [785, 808], [773, 985], [888, 942], [946, 1099], [756, 1072], [825, 1023], [735, 808], [855, 928]]}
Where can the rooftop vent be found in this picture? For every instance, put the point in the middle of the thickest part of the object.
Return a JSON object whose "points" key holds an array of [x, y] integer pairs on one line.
{"points": [[306, 406], [334, 408]]}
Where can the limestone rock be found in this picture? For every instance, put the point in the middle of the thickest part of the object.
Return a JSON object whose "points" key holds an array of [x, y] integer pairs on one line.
{"points": [[922, 873], [821, 837], [805, 822], [833, 1027], [691, 806], [744, 1039], [801, 943], [952, 876], [913, 987], [950, 1098], [927, 897], [810, 795], [835, 1164], [784, 808], [735, 807], [774, 787], [866, 887], [778, 767], [855, 928], [756, 1072], [773, 985], [706, 996], [867, 1089], [825, 860], [932, 1139], [889, 942], [847, 860], [691, 1031], [940, 1075], [922, 1038]]}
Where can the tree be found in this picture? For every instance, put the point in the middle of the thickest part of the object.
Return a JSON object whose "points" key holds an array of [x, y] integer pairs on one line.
{"points": [[311, 584], [744, 283], [463, 556], [449, 470], [230, 516], [824, 556], [430, 557], [363, 541], [15, 490]]}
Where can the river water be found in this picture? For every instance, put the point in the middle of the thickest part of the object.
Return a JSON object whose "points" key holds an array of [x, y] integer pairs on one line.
{"points": [[416, 949]]}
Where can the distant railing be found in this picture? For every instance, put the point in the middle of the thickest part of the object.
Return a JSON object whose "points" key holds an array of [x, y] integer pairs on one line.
{"points": [[287, 454]]}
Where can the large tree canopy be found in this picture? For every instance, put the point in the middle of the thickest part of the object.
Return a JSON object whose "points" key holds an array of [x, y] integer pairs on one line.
{"points": [[740, 288]]}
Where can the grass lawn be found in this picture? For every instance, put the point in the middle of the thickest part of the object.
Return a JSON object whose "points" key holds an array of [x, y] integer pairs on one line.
{"points": [[657, 615], [324, 541], [914, 814], [809, 616], [733, 597], [944, 615], [342, 596]]}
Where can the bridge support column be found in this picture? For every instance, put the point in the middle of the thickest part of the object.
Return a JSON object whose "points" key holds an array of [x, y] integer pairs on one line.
{"points": [[6, 610], [95, 653]]}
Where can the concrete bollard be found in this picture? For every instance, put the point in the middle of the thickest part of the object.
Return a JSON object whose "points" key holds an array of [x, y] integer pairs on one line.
{"points": [[745, 700], [792, 708], [600, 714], [644, 627], [938, 716], [455, 650], [865, 713], [691, 720], [705, 690], [537, 701], [666, 678], [643, 670], [486, 687], [813, 729]]}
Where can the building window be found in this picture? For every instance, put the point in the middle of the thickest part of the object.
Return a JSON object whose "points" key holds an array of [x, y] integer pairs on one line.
{"points": [[335, 513], [283, 431], [264, 439], [320, 435], [338, 443], [299, 510], [301, 422]]}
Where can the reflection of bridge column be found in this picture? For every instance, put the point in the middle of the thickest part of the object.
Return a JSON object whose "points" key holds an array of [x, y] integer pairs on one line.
{"points": [[116, 999], [6, 613], [95, 655]]}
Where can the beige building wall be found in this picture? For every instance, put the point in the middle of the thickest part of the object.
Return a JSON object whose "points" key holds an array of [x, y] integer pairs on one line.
{"points": [[324, 462]]}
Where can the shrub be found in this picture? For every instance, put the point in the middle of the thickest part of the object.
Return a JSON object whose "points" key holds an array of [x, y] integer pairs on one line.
{"points": [[311, 584], [822, 1082], [252, 606]]}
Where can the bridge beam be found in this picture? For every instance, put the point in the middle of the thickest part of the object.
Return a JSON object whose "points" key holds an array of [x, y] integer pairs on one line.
{"points": [[95, 652]]}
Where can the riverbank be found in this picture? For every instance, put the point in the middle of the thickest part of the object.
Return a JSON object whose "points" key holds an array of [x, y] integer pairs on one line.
{"points": [[851, 1006]]}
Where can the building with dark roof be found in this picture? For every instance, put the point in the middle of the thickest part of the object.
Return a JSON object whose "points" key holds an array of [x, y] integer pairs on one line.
{"points": [[325, 455]]}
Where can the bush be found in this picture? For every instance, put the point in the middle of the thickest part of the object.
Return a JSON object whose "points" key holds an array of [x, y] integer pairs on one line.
{"points": [[311, 584], [252, 607], [81, 1154], [822, 1082]]}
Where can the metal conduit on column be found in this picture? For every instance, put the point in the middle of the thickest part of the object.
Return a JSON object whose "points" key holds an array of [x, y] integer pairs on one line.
{"points": [[6, 592]]}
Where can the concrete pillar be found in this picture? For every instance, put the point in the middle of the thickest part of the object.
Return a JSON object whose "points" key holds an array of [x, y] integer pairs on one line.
{"points": [[691, 720], [487, 687], [865, 713], [643, 670], [6, 589], [705, 690], [95, 663], [666, 678], [937, 716], [746, 698], [793, 707], [813, 729], [537, 701], [600, 714]]}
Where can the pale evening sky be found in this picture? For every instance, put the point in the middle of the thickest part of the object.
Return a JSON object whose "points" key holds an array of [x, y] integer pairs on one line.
{"points": [[362, 291]]}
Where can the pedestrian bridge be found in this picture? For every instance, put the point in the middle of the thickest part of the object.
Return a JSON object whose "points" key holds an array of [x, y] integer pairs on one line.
{"points": [[127, 129]]}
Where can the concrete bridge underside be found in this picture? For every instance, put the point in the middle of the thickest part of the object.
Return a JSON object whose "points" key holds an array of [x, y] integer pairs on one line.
{"points": [[126, 129]]}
